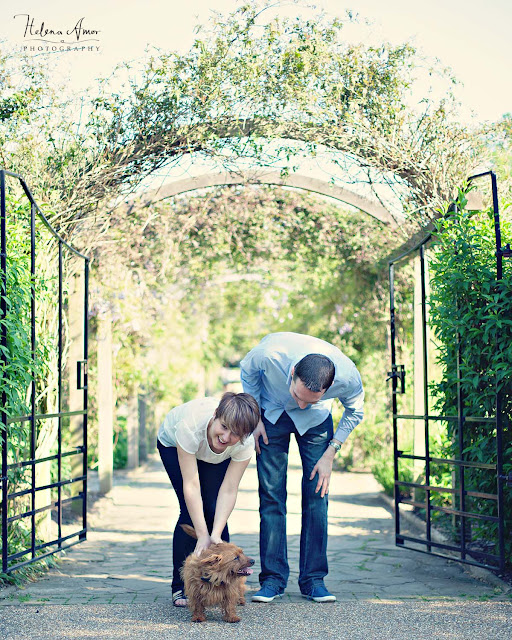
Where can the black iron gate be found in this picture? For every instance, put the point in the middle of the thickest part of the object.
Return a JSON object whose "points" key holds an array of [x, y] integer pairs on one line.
{"points": [[43, 382], [413, 372]]}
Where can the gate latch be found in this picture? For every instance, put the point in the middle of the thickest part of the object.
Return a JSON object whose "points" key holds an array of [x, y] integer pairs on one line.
{"points": [[398, 371], [81, 374], [507, 478]]}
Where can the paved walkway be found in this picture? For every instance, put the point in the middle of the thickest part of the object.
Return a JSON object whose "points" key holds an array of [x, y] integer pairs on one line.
{"points": [[117, 584]]}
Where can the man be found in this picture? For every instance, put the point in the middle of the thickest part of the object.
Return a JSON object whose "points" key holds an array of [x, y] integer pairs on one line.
{"points": [[294, 379]]}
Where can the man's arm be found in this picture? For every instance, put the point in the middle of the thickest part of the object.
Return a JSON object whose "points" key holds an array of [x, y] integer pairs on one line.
{"points": [[351, 417], [250, 374]]}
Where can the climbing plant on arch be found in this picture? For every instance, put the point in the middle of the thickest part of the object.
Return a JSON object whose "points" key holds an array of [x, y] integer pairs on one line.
{"points": [[248, 80]]}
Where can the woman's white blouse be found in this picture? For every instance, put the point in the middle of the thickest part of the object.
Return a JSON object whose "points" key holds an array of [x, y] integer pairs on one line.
{"points": [[186, 426]]}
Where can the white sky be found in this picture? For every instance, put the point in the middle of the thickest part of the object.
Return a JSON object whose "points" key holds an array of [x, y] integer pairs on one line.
{"points": [[470, 36]]}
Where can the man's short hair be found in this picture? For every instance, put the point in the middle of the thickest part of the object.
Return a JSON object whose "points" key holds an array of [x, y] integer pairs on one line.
{"points": [[239, 412], [315, 371]]}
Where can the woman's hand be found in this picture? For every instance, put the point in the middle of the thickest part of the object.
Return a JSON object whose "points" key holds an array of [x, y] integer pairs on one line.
{"points": [[203, 542], [215, 539]]}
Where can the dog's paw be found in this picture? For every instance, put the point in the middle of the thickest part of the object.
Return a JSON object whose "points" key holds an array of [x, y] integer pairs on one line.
{"points": [[232, 619], [199, 618], [242, 602]]}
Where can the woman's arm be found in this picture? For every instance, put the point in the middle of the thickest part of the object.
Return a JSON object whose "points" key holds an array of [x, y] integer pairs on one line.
{"points": [[193, 499], [227, 497]]}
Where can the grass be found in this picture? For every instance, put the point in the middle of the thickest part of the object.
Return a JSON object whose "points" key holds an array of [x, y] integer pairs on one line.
{"points": [[362, 565]]}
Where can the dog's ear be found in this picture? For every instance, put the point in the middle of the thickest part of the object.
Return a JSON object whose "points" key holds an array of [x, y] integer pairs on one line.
{"points": [[211, 559]]}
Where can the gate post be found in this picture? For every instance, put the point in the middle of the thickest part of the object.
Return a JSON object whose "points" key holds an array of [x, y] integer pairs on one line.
{"points": [[418, 374], [105, 402], [75, 396]]}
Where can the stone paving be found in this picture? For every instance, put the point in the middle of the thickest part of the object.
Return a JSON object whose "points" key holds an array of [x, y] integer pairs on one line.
{"points": [[126, 561]]}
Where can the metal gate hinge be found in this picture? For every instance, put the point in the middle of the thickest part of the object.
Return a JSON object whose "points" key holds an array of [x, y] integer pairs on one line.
{"points": [[506, 251], [507, 478]]}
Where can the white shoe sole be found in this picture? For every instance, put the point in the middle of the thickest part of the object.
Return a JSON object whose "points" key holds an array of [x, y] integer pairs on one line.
{"points": [[322, 599], [265, 599]]}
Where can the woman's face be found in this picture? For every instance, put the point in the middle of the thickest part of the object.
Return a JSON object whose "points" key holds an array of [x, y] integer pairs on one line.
{"points": [[220, 437]]}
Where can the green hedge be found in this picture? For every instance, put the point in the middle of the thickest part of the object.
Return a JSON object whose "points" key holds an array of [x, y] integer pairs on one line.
{"points": [[466, 300]]}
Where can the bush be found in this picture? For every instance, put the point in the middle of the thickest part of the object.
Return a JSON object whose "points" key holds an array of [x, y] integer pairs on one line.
{"points": [[384, 473], [120, 443]]}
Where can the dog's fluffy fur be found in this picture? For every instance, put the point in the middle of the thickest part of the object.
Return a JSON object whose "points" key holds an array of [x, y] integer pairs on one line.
{"points": [[216, 577]]}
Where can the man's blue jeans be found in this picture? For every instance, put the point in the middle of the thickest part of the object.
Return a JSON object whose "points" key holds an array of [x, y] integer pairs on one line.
{"points": [[272, 469]]}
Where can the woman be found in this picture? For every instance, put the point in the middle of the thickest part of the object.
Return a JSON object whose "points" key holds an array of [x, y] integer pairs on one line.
{"points": [[205, 447]]}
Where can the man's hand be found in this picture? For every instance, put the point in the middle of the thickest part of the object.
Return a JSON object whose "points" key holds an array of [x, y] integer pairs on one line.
{"points": [[259, 431], [203, 542], [324, 469]]}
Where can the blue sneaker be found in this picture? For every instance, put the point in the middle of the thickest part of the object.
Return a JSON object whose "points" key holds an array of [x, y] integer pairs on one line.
{"points": [[319, 594], [266, 594]]}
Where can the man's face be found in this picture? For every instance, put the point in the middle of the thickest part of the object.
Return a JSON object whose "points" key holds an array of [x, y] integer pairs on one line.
{"points": [[302, 395]]}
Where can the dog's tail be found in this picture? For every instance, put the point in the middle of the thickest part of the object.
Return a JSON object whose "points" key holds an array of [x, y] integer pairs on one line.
{"points": [[189, 530]]}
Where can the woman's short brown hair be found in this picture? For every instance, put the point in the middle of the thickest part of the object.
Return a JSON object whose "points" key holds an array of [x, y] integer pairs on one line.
{"points": [[239, 412]]}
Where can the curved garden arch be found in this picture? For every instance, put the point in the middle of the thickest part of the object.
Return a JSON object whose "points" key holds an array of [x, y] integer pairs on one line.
{"points": [[295, 180]]}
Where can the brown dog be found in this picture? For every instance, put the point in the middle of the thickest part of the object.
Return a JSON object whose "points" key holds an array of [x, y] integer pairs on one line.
{"points": [[216, 577]]}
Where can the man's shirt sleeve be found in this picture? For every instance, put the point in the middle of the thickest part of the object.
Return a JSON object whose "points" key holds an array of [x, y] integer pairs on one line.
{"points": [[250, 374], [353, 405]]}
